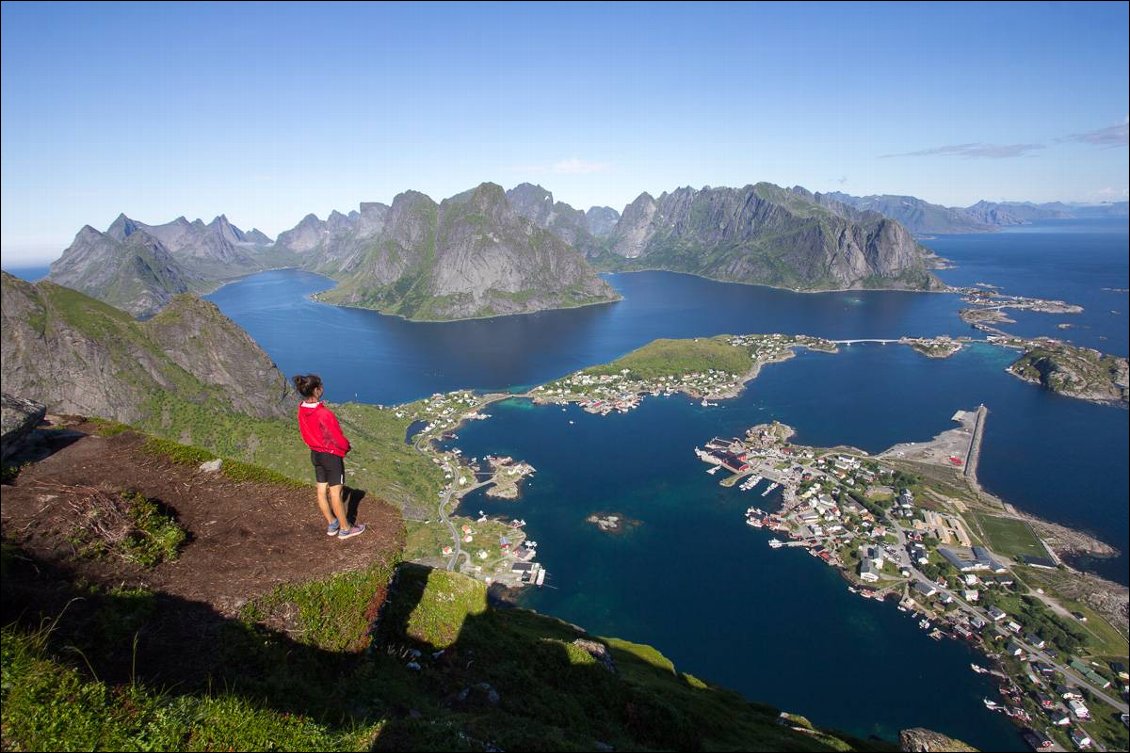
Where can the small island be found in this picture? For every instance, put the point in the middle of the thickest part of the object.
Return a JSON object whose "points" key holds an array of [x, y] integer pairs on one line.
{"points": [[988, 304], [611, 522], [1066, 369]]}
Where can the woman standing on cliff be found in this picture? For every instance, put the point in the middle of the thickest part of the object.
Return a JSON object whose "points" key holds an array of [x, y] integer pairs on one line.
{"points": [[328, 447]]}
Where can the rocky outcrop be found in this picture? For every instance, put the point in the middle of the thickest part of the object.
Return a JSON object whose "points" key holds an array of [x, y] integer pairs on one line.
{"points": [[922, 740], [768, 235], [570, 225], [18, 419], [601, 221], [77, 355], [1082, 373], [470, 256]]}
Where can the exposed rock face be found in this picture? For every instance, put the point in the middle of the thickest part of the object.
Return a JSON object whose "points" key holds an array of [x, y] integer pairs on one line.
{"points": [[927, 741], [635, 228], [77, 355], [570, 225], [18, 419], [601, 221], [139, 268], [1077, 372], [768, 235], [470, 256], [135, 272]]}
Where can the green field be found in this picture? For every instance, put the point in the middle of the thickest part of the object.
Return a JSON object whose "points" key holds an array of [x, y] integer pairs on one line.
{"points": [[663, 358], [1010, 537]]}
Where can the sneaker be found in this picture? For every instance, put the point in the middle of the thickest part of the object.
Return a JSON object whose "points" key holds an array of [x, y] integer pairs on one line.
{"points": [[345, 533], [333, 528]]}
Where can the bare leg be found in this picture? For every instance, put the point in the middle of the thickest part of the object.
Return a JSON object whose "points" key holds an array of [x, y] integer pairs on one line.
{"points": [[323, 502], [339, 508]]}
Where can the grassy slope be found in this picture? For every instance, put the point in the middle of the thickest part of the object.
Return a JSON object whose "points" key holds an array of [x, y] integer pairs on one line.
{"points": [[507, 678], [663, 357]]}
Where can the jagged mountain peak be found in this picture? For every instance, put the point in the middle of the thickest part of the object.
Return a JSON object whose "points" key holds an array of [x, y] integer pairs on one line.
{"points": [[123, 227]]}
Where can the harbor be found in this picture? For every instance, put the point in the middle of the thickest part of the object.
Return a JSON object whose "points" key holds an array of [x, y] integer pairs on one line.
{"points": [[884, 522]]}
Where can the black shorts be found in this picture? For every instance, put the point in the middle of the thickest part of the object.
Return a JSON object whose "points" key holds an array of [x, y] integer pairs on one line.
{"points": [[328, 468]]}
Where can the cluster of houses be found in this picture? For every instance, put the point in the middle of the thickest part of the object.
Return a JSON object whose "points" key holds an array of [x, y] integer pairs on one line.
{"points": [[605, 393]]}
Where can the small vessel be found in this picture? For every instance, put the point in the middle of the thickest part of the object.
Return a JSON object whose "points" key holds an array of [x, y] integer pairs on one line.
{"points": [[901, 608], [776, 543], [852, 590], [713, 470], [753, 521], [978, 669], [991, 705], [924, 624]]}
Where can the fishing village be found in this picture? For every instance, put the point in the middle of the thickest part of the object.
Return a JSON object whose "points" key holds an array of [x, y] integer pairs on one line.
{"points": [[910, 526], [898, 534]]}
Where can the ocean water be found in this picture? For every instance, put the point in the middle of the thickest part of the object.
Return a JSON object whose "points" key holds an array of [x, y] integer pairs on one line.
{"points": [[32, 273], [1085, 262], [691, 578]]}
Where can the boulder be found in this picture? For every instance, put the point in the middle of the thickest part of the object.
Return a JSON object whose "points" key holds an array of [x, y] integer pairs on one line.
{"points": [[18, 419]]}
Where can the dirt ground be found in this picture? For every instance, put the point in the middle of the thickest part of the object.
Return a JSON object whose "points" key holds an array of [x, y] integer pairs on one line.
{"points": [[244, 539]]}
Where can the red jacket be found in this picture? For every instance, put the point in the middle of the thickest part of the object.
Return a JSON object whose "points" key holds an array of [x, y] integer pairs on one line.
{"points": [[320, 429]]}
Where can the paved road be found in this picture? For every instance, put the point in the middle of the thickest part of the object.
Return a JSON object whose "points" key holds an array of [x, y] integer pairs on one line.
{"points": [[1032, 651]]}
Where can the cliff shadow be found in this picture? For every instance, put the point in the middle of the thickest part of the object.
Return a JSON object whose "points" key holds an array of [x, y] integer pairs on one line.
{"points": [[444, 671]]}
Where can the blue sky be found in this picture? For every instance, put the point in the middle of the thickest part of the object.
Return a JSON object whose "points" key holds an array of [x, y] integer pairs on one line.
{"points": [[267, 112]]}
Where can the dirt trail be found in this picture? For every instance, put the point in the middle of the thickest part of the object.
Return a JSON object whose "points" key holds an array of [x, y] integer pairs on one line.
{"points": [[244, 538]]}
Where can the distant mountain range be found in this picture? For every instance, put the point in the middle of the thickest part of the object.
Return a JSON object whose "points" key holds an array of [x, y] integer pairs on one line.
{"points": [[922, 218], [489, 252]]}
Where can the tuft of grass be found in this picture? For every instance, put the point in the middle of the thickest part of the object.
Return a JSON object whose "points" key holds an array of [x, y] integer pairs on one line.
{"points": [[329, 613], [107, 428], [128, 525], [9, 472], [448, 600], [157, 538]]}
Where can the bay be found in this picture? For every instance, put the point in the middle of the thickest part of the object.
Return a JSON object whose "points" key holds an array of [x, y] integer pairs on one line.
{"points": [[692, 579]]}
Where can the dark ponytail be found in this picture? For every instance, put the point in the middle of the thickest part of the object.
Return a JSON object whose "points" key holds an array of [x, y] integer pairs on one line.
{"points": [[307, 383]]}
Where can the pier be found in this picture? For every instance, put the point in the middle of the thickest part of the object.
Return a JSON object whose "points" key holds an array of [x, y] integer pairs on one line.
{"points": [[974, 454]]}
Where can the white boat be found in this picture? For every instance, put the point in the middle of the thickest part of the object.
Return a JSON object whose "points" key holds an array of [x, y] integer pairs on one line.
{"points": [[852, 590], [776, 543], [770, 488], [713, 470], [978, 669]]}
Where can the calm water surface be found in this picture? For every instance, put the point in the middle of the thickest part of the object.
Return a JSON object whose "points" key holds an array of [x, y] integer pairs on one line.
{"points": [[691, 578]]}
